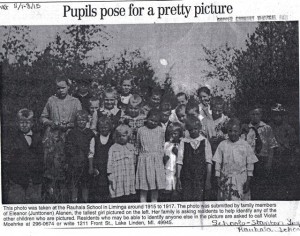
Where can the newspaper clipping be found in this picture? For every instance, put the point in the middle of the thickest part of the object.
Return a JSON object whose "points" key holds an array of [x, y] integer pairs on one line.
{"points": [[135, 117]]}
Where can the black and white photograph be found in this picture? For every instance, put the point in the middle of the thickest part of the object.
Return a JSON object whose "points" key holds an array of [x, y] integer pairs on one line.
{"points": [[140, 113]]}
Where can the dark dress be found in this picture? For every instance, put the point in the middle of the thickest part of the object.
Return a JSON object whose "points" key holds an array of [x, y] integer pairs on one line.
{"points": [[193, 173], [84, 100], [77, 149], [99, 191]]}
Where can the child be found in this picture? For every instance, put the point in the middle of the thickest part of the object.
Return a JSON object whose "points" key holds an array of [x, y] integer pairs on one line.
{"points": [[182, 117], [286, 138], [154, 100], [120, 166], [261, 138], [284, 133], [110, 109], [234, 160], [192, 109], [166, 110], [134, 118], [182, 99], [58, 118], [99, 191], [94, 108], [126, 88], [175, 132], [25, 166], [194, 163], [83, 93], [214, 127], [150, 175], [77, 149], [181, 114], [204, 107]]}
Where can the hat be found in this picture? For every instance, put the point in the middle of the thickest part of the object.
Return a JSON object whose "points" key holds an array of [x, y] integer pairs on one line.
{"points": [[25, 114], [278, 108]]}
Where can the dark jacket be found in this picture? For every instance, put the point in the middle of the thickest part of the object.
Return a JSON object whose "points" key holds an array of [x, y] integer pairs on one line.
{"points": [[25, 162]]}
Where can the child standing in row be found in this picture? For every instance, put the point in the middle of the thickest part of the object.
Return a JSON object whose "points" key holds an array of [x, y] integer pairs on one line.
{"points": [[234, 160], [99, 191], [175, 133], [126, 88], [214, 127], [58, 118], [150, 175], [134, 117], [194, 163], [110, 107], [260, 131], [25, 162], [77, 149], [94, 108], [204, 97], [182, 99], [120, 166]]}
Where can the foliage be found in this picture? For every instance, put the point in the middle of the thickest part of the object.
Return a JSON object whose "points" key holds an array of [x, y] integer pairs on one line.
{"points": [[265, 72], [69, 55]]}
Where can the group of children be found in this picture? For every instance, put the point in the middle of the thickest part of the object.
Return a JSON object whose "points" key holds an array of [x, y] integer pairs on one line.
{"points": [[127, 150]]}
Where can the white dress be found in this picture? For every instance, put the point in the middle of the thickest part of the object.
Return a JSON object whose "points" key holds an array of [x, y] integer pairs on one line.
{"points": [[170, 166]]}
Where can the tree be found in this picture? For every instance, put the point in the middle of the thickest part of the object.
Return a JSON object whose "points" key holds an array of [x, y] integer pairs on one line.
{"points": [[267, 70], [221, 69], [18, 47]]}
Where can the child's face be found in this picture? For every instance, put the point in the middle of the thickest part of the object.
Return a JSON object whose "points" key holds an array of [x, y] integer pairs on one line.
{"points": [[122, 138], [234, 133], [181, 100], [153, 122], [126, 87], [62, 89], [94, 106], [193, 112], [204, 98], [109, 101], [24, 125], [81, 121], [194, 131], [83, 88], [181, 116], [277, 118], [133, 110], [104, 129], [255, 116], [165, 116], [155, 100], [217, 111], [175, 136]]}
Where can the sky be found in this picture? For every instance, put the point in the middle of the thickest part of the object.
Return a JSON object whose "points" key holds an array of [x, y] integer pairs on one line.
{"points": [[173, 48]]}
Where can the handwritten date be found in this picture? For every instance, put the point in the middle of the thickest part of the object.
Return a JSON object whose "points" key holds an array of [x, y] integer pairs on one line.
{"points": [[27, 6]]}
